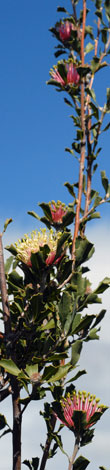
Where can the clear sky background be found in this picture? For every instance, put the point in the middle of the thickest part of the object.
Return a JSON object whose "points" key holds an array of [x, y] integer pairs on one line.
{"points": [[34, 130]]}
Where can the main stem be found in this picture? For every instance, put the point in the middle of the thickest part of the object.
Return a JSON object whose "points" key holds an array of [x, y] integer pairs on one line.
{"points": [[47, 445], [16, 424], [71, 461], [82, 159], [4, 294]]}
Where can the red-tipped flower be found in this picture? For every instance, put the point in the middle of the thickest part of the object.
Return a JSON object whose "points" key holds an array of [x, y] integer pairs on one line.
{"points": [[65, 30], [80, 401], [57, 211], [72, 75]]}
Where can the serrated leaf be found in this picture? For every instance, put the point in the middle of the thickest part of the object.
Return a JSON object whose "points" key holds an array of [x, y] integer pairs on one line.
{"points": [[102, 286], [89, 48], [3, 421], [27, 463], [81, 463], [10, 366], [33, 214], [81, 372], [7, 222], [84, 250], [8, 264], [76, 350]]}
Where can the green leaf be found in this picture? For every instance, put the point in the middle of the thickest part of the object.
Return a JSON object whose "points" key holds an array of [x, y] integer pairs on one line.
{"points": [[76, 350], [3, 422], [51, 375], [92, 335], [46, 209], [107, 9], [84, 250], [89, 47], [8, 264], [49, 325], [81, 463], [68, 102], [10, 366], [99, 317], [108, 101], [81, 372], [7, 222], [104, 181], [30, 370], [33, 214], [27, 463], [62, 9], [70, 188], [102, 286], [35, 463]]}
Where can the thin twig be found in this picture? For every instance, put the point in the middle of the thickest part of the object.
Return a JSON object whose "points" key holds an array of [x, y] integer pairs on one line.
{"points": [[82, 159], [4, 294], [47, 445], [72, 459]]}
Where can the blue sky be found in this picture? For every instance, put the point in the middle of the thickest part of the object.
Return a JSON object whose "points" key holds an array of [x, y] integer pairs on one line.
{"points": [[34, 120], [34, 130]]}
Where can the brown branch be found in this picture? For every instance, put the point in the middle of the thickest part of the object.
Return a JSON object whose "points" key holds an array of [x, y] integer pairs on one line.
{"points": [[47, 445], [82, 159], [72, 459], [4, 295], [5, 393], [74, 10], [16, 424]]}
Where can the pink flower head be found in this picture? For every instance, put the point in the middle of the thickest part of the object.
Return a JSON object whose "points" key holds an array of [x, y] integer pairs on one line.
{"points": [[72, 74], [57, 211], [57, 77], [65, 30], [80, 401]]}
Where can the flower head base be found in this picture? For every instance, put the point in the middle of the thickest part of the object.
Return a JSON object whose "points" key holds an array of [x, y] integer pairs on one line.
{"points": [[65, 30], [80, 402], [37, 240], [58, 211]]}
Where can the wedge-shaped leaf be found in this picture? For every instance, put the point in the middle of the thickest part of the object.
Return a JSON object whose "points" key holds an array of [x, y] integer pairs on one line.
{"points": [[49, 325], [89, 47], [84, 323], [81, 372], [68, 218], [3, 421], [7, 222], [68, 102], [103, 286], [104, 181], [70, 188], [8, 264], [108, 101], [65, 310], [36, 305], [99, 317], [84, 250], [62, 9], [16, 279], [46, 209], [12, 249], [81, 463], [76, 351], [64, 237], [34, 214], [27, 463], [53, 374], [31, 370], [107, 9], [35, 463], [10, 366], [92, 335]]}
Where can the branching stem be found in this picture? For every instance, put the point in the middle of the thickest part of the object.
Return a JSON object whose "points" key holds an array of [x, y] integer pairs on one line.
{"points": [[82, 158]]}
